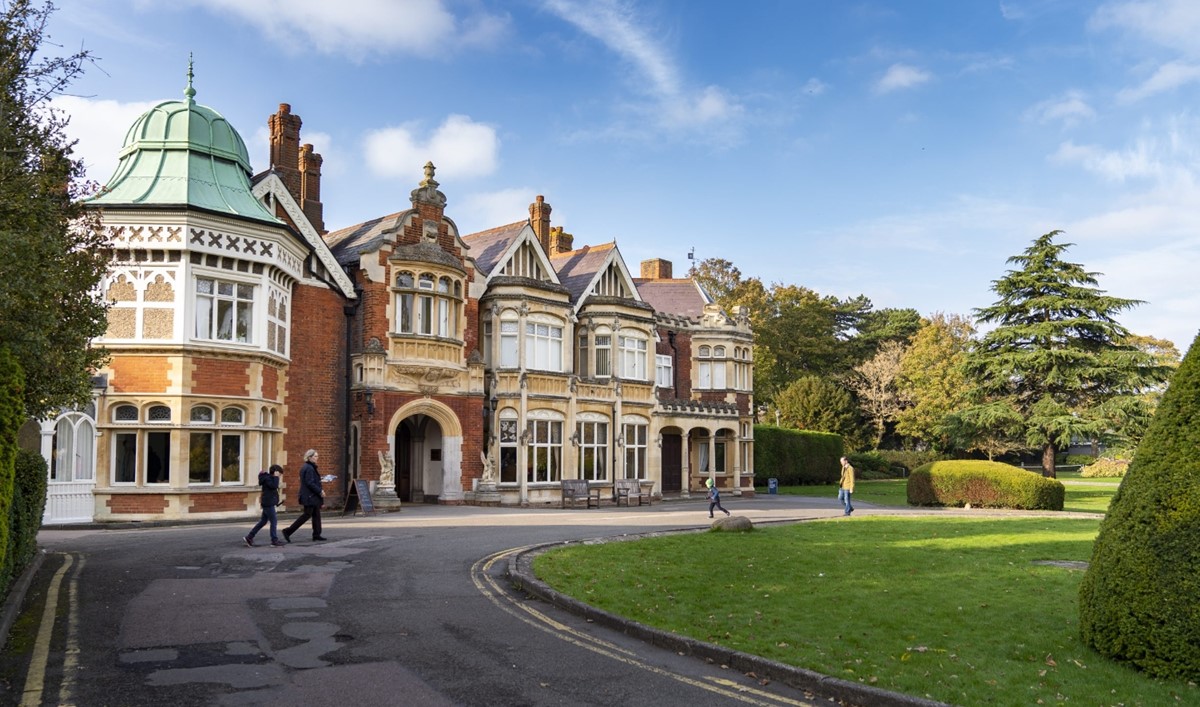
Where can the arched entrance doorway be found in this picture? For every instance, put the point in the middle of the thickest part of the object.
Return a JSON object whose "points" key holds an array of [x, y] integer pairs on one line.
{"points": [[426, 442], [419, 459]]}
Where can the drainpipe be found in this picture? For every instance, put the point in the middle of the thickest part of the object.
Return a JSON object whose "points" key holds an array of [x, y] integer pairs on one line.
{"points": [[674, 364], [350, 310]]}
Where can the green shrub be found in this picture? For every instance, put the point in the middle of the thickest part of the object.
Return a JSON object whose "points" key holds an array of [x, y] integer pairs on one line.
{"points": [[12, 414], [1080, 459], [1104, 467], [28, 505], [984, 484], [1139, 601], [796, 457], [903, 461], [870, 465]]}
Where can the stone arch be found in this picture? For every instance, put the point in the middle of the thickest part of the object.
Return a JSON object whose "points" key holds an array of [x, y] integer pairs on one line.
{"points": [[442, 476]]}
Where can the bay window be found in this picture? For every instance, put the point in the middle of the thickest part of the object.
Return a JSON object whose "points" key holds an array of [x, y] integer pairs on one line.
{"points": [[544, 456], [427, 305], [593, 449], [224, 310]]}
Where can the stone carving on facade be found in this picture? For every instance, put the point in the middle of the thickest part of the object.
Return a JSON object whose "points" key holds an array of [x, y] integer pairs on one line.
{"points": [[428, 379], [524, 379], [572, 383], [374, 346], [523, 310]]}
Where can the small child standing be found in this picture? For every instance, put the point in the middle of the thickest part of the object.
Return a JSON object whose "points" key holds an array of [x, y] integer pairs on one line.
{"points": [[714, 498], [269, 481]]}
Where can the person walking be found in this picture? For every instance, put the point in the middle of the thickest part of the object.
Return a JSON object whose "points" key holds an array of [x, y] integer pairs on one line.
{"points": [[269, 499], [846, 486], [714, 498], [312, 497]]}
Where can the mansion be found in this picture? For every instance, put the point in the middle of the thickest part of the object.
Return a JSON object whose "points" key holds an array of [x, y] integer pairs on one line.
{"points": [[439, 367]]}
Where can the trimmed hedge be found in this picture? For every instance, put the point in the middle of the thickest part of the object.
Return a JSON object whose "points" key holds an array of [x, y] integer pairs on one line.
{"points": [[985, 484], [12, 414], [1139, 601], [796, 457], [28, 505]]}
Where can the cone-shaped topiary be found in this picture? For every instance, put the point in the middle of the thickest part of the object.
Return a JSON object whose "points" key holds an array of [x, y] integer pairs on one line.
{"points": [[1139, 601]]}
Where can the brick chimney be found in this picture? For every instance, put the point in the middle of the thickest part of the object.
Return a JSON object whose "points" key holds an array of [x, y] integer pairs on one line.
{"points": [[560, 240], [310, 187], [539, 218], [656, 269], [298, 167], [285, 148]]}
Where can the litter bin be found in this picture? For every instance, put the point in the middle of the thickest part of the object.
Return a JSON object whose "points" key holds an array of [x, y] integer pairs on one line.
{"points": [[772, 486]]}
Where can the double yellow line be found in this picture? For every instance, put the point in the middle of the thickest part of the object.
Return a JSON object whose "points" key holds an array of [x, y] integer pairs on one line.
{"points": [[35, 679]]}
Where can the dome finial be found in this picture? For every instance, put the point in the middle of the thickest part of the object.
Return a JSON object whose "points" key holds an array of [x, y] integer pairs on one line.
{"points": [[189, 91]]}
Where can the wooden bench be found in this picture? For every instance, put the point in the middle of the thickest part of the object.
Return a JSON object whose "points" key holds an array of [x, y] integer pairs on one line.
{"points": [[630, 489], [575, 490]]}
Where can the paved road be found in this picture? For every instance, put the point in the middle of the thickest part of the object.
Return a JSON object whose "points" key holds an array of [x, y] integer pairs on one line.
{"points": [[409, 608]]}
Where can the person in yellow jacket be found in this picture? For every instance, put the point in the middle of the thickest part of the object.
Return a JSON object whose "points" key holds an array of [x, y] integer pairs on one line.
{"points": [[846, 485]]}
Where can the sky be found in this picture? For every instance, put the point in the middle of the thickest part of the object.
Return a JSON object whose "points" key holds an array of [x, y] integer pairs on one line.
{"points": [[900, 150]]}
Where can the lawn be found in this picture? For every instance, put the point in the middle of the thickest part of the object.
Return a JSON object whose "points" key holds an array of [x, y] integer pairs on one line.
{"points": [[1083, 495], [955, 609]]}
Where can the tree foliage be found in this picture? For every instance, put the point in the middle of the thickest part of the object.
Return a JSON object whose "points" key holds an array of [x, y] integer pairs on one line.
{"points": [[1057, 352], [813, 403], [933, 379], [874, 382], [51, 255]]}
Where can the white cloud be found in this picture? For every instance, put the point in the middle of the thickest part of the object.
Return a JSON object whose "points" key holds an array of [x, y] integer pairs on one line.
{"points": [[1069, 109], [1168, 76], [483, 210], [362, 28], [1114, 165], [100, 128], [459, 148], [901, 76], [676, 106], [1170, 23]]}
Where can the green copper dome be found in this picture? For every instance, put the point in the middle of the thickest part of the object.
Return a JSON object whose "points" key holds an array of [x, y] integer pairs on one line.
{"points": [[182, 153]]}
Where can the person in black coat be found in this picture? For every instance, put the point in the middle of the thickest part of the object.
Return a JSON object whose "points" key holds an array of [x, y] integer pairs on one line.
{"points": [[269, 481], [312, 497]]}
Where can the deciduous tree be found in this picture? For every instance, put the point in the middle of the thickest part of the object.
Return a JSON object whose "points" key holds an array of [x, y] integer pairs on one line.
{"points": [[933, 379], [874, 382], [51, 255]]}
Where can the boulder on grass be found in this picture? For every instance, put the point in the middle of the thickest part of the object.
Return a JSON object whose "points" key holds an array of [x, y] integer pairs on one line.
{"points": [[739, 524]]}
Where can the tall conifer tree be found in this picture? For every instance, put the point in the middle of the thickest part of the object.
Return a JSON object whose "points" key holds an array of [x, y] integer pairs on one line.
{"points": [[1057, 352]]}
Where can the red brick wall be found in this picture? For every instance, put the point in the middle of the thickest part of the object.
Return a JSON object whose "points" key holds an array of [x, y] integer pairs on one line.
{"points": [[270, 383], [683, 363], [217, 502], [468, 410], [315, 390], [220, 377], [140, 374], [138, 503], [372, 312]]}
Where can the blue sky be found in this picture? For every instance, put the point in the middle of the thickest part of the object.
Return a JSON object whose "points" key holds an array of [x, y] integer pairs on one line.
{"points": [[901, 150]]}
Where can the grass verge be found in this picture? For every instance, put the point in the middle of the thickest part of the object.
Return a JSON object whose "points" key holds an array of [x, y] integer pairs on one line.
{"points": [[954, 609]]}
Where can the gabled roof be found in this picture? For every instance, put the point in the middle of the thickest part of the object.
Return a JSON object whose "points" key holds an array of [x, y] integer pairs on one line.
{"points": [[489, 247], [494, 248], [270, 183], [580, 270], [682, 297]]}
